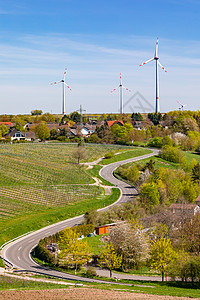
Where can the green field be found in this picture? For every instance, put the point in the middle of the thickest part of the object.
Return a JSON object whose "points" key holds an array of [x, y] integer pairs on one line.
{"points": [[42, 184], [125, 155], [159, 162]]}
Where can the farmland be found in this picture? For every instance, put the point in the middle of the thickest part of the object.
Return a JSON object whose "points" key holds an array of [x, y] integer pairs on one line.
{"points": [[42, 183]]}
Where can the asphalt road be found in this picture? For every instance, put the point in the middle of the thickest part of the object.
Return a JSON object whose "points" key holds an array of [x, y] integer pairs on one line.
{"points": [[18, 252]]}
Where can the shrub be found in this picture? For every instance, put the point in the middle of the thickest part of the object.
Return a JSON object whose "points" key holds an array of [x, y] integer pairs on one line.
{"points": [[109, 155], [172, 154], [91, 272], [155, 142]]}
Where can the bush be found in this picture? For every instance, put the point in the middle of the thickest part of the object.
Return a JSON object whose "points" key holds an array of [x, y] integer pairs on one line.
{"points": [[44, 254], [172, 154], [109, 155], [84, 229], [185, 267], [90, 272], [155, 142]]}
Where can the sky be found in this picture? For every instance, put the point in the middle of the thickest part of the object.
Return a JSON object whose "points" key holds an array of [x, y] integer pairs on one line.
{"points": [[96, 41]]}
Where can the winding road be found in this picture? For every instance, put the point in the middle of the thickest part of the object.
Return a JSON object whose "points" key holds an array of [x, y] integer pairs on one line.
{"points": [[18, 252]]}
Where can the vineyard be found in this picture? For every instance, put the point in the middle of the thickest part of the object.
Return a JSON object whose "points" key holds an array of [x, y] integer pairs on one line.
{"points": [[38, 176]]}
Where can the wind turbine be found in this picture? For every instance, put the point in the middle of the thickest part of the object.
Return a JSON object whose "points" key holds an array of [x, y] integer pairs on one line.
{"points": [[121, 87], [64, 84], [181, 105], [157, 80]]}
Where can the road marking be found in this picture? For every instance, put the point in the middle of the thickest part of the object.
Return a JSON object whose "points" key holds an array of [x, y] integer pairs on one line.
{"points": [[31, 241], [19, 248], [18, 257], [48, 232]]}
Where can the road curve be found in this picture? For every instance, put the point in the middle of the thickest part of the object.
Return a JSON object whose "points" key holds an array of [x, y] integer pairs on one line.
{"points": [[18, 252]]}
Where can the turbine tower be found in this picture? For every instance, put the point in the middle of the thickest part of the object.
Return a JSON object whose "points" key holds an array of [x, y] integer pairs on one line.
{"points": [[121, 100], [64, 84], [157, 80]]}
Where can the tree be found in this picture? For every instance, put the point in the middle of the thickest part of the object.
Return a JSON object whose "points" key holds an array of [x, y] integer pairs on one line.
{"points": [[190, 235], [155, 118], [149, 195], [19, 122], [3, 129], [150, 165], [109, 258], [196, 172], [90, 217], [155, 142], [79, 153], [47, 117], [75, 117], [42, 131], [161, 254], [136, 117], [73, 251], [36, 112], [130, 173], [131, 242]]}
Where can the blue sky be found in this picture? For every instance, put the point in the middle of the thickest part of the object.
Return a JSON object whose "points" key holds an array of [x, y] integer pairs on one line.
{"points": [[96, 40]]}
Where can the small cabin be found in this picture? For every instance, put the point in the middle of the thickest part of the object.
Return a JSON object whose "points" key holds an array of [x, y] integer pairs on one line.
{"points": [[105, 228]]}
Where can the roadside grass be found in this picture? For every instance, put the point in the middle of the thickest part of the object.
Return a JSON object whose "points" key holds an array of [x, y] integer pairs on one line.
{"points": [[177, 289], [190, 156], [159, 162], [94, 172], [8, 283], [33, 221], [2, 263], [125, 155]]}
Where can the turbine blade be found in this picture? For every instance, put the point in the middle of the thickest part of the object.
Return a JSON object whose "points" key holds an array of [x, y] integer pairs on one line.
{"points": [[156, 51], [65, 72], [114, 90], [67, 86], [55, 82], [127, 89], [161, 66], [147, 61]]}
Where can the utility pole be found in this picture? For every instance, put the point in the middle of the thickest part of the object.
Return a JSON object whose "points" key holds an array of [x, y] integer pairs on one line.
{"points": [[81, 123]]}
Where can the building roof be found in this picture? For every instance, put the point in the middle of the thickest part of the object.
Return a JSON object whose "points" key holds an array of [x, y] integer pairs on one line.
{"points": [[111, 123], [183, 206], [29, 134], [198, 199], [6, 123]]}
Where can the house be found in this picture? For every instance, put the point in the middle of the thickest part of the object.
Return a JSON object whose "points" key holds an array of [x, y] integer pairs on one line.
{"points": [[84, 130], [138, 125], [29, 136], [111, 123], [16, 135], [7, 124], [51, 126], [197, 201], [187, 209]]}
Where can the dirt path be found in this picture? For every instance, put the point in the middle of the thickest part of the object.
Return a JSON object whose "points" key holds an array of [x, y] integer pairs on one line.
{"points": [[82, 294]]}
